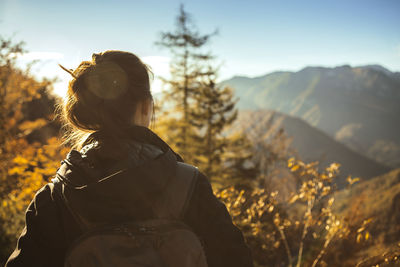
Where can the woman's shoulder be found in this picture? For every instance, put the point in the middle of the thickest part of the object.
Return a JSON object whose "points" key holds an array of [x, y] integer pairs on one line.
{"points": [[44, 196], [43, 208], [203, 202], [46, 211], [41, 243]]}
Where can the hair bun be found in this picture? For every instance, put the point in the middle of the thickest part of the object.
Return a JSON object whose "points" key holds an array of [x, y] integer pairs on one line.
{"points": [[107, 80]]}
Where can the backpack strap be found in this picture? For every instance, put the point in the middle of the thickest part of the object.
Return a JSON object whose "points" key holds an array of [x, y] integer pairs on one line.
{"points": [[175, 199]]}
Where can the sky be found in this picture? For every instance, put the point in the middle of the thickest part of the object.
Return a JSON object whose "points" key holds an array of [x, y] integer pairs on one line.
{"points": [[254, 38]]}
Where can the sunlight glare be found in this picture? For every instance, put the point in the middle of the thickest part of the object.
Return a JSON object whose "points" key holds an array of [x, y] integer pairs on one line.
{"points": [[160, 68]]}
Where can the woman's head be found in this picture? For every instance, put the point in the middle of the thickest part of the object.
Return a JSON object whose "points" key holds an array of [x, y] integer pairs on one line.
{"points": [[108, 93]]}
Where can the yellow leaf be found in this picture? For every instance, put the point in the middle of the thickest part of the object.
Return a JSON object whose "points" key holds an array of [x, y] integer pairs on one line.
{"points": [[271, 208], [293, 199], [295, 168], [366, 235]]}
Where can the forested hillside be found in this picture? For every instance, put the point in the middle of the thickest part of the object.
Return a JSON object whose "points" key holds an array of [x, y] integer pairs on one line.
{"points": [[309, 143]]}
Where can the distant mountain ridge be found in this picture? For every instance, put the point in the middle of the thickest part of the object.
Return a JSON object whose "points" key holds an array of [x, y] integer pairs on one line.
{"points": [[357, 106]]}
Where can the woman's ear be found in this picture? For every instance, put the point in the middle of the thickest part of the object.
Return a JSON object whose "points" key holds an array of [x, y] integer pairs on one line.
{"points": [[144, 111], [146, 106]]}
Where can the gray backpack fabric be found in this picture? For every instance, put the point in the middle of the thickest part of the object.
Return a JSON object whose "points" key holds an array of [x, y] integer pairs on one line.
{"points": [[164, 241]]}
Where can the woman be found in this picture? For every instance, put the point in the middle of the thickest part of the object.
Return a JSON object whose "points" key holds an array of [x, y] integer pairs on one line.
{"points": [[109, 107]]}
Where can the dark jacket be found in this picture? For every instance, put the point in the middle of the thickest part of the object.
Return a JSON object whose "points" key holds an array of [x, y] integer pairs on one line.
{"points": [[50, 228]]}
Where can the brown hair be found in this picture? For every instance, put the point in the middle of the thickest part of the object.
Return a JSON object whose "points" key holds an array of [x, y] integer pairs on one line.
{"points": [[103, 95]]}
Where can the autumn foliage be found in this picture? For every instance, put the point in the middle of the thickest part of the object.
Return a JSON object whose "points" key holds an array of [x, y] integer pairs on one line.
{"points": [[305, 231], [29, 150]]}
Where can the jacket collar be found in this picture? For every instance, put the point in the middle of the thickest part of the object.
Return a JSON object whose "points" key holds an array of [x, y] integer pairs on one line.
{"points": [[137, 133]]}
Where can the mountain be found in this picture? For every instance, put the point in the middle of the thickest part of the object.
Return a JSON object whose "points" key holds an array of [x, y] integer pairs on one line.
{"points": [[310, 143], [357, 106]]}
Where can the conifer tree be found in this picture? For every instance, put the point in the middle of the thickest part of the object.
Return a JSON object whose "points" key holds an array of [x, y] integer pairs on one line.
{"points": [[185, 44], [197, 111], [213, 111], [226, 160]]}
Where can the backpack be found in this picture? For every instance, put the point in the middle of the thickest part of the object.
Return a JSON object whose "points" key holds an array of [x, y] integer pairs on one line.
{"points": [[164, 241]]}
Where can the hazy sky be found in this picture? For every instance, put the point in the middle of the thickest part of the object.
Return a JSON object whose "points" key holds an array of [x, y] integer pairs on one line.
{"points": [[255, 37]]}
